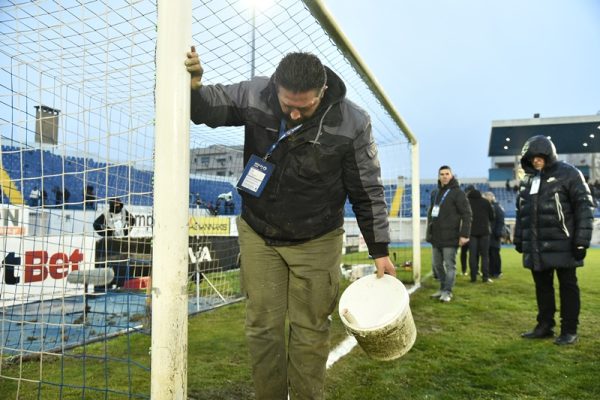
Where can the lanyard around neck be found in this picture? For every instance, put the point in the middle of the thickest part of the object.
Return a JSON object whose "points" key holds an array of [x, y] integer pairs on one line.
{"points": [[283, 134], [444, 196]]}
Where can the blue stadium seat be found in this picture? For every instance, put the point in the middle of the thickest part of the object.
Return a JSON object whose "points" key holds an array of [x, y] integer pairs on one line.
{"points": [[135, 185]]}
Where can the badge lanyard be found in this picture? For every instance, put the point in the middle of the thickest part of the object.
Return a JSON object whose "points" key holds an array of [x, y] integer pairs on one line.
{"points": [[259, 170], [435, 211], [283, 134]]}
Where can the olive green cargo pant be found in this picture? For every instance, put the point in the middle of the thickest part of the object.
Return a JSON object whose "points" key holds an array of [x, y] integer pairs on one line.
{"points": [[302, 282]]}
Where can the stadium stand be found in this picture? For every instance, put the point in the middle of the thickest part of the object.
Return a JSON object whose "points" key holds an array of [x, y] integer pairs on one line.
{"points": [[120, 180], [26, 166]]}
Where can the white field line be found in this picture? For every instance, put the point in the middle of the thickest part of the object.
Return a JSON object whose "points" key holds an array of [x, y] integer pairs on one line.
{"points": [[348, 344]]}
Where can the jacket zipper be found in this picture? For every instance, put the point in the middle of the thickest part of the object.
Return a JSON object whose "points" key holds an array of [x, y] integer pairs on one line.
{"points": [[313, 142], [561, 216]]}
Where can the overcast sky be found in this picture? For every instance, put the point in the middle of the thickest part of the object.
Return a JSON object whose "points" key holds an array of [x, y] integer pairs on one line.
{"points": [[451, 67]]}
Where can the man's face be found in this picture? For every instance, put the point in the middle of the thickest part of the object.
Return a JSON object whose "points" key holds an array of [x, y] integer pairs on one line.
{"points": [[298, 106], [445, 175], [538, 163]]}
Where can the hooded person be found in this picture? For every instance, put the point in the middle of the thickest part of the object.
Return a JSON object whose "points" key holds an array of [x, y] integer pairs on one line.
{"points": [[116, 221], [553, 229]]}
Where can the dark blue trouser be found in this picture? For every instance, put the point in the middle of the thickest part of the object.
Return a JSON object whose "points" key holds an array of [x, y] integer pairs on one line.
{"points": [[479, 247], [495, 261]]}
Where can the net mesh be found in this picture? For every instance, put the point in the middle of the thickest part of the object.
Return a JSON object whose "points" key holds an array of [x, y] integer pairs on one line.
{"points": [[77, 81]]}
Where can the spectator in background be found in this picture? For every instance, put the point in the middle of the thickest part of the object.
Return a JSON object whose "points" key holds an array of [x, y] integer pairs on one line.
{"points": [[464, 249], [114, 222], [198, 200], [34, 197], [58, 195], [595, 188], [89, 198], [212, 209], [66, 195], [479, 243], [497, 232], [507, 235], [554, 225], [448, 227], [229, 206], [44, 198], [227, 199]]}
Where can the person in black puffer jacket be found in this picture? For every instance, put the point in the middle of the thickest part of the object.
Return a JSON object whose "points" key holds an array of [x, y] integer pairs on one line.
{"points": [[553, 229], [479, 243]]}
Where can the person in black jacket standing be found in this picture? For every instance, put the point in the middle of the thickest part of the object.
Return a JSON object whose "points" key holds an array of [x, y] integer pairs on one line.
{"points": [[464, 249], [497, 230], [479, 243], [448, 226], [554, 224]]}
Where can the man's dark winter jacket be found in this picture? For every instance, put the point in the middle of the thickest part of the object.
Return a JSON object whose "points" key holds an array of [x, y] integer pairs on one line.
{"points": [[331, 157], [483, 214], [454, 218], [559, 218], [497, 226]]}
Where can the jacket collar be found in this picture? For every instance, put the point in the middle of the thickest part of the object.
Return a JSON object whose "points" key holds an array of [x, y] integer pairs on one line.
{"points": [[451, 185]]}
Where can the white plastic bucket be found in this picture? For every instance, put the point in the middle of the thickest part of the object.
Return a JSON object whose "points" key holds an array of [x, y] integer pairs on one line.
{"points": [[376, 312]]}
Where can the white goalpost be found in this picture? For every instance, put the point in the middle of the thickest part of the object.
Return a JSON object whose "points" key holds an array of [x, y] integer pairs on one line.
{"points": [[171, 183], [117, 216]]}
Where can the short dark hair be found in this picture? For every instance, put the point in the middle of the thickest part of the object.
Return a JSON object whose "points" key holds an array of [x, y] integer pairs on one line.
{"points": [[444, 167], [300, 72]]}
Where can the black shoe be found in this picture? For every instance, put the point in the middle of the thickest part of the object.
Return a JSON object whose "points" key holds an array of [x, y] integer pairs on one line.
{"points": [[539, 332], [566, 338]]}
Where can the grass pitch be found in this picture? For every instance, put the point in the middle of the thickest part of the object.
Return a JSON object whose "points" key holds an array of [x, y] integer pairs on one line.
{"points": [[469, 348]]}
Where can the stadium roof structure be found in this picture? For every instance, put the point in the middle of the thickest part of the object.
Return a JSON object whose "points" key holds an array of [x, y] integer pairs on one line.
{"points": [[569, 134]]}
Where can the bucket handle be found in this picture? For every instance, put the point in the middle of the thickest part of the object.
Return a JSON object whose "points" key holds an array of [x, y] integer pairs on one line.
{"points": [[349, 317]]}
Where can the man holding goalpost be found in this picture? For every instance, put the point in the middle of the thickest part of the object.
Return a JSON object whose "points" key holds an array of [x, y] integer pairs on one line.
{"points": [[306, 149]]}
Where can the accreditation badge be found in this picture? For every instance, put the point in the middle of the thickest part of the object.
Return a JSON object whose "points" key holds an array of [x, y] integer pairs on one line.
{"points": [[535, 185], [255, 176], [435, 211]]}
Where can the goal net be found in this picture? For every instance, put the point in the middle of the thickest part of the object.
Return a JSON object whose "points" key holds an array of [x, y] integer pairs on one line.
{"points": [[236, 43], [77, 136]]}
